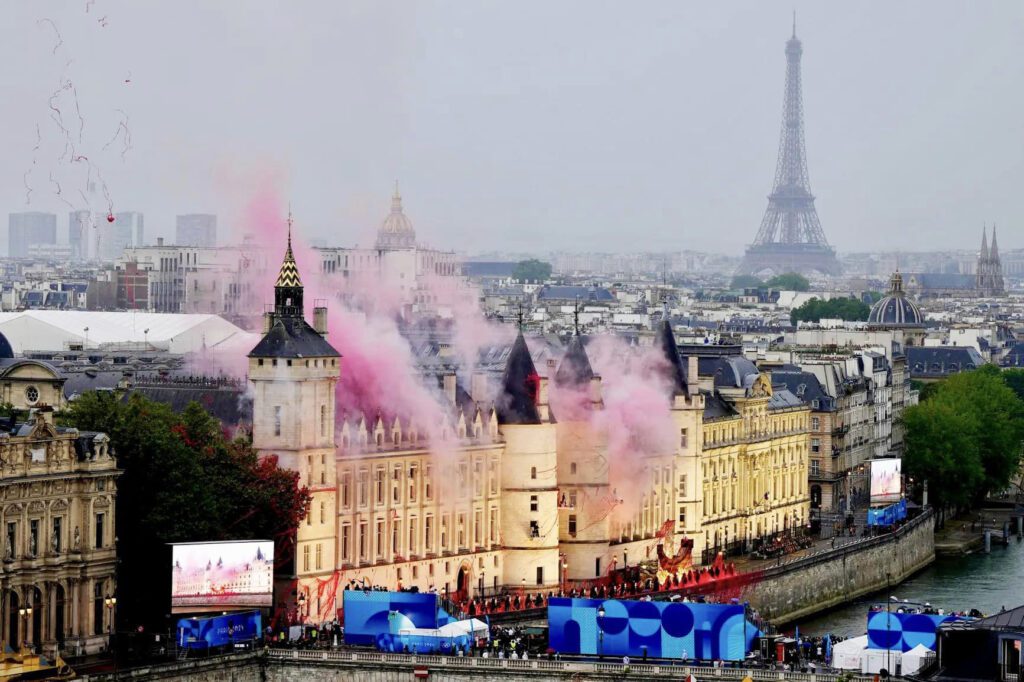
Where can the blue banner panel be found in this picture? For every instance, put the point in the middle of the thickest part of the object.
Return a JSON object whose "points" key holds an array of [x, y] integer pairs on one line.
{"points": [[203, 633], [887, 516], [661, 629], [366, 613], [904, 631]]}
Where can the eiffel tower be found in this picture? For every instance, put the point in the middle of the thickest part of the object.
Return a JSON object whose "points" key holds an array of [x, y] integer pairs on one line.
{"points": [[791, 238]]}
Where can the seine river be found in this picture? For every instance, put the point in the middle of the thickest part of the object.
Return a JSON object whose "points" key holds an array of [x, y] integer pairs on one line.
{"points": [[984, 582]]}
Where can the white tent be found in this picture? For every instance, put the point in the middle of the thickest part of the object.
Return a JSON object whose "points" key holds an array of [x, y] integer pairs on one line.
{"points": [[916, 658], [846, 655], [57, 330], [473, 627]]}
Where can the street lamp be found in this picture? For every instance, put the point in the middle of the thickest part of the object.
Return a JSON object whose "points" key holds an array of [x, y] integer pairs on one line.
{"points": [[600, 631], [625, 558], [25, 613], [302, 603], [565, 572]]}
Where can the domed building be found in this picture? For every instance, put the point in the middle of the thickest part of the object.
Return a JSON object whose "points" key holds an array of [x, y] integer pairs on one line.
{"points": [[426, 280], [396, 232], [896, 310]]}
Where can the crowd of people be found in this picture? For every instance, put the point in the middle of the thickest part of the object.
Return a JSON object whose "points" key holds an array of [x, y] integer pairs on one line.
{"points": [[642, 588]]}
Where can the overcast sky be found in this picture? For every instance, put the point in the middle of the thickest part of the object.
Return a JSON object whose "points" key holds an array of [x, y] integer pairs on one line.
{"points": [[528, 126]]}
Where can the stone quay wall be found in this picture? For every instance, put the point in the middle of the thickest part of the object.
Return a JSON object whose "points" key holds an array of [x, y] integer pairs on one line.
{"points": [[818, 582]]}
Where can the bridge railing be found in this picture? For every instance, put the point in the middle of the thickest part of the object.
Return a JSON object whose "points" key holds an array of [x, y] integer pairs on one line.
{"points": [[641, 670]]}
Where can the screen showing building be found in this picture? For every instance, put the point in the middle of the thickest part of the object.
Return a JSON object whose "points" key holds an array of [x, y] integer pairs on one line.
{"points": [[222, 575], [886, 481]]}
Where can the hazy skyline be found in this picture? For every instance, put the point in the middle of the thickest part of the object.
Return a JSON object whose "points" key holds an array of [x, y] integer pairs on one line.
{"points": [[529, 127]]}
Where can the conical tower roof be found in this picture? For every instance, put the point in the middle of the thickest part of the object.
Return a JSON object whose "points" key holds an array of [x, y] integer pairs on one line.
{"points": [[289, 273], [574, 369], [984, 243], [520, 387], [667, 344], [994, 250]]}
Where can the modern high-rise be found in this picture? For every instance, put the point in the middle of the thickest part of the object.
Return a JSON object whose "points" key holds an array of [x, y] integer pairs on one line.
{"points": [[196, 229], [79, 232], [126, 231], [31, 227]]}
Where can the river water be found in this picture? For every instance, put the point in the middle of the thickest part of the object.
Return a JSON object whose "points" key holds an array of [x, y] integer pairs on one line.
{"points": [[977, 581]]}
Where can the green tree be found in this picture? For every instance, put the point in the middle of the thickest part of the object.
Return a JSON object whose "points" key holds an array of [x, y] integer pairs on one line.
{"points": [[746, 282], [1014, 378], [837, 308], [183, 481], [942, 449], [532, 270], [965, 439], [790, 281]]}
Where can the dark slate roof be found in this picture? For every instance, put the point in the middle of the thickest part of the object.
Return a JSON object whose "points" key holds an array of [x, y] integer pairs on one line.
{"points": [[783, 399], [229, 404], [803, 385], [734, 371], [569, 293], [517, 402], [715, 407], [574, 369], [77, 383], [488, 268], [944, 280], [1007, 620], [292, 337], [936, 361], [677, 372], [1015, 357]]}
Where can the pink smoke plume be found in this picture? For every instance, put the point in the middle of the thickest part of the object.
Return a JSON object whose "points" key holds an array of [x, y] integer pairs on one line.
{"points": [[636, 418]]}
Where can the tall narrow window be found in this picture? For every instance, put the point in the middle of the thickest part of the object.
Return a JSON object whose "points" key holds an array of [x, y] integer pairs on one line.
{"points": [[33, 537], [319, 556], [323, 421], [277, 420], [57, 535], [99, 530], [305, 558]]}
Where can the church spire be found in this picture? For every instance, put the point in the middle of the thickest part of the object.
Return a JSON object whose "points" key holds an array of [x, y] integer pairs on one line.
{"points": [[288, 288], [993, 253], [984, 242]]}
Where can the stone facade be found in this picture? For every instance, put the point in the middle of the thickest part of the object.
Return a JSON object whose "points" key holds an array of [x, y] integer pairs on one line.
{"points": [[58, 487]]}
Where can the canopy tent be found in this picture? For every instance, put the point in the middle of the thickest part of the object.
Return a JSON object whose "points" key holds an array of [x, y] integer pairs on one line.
{"points": [[846, 655], [916, 658]]}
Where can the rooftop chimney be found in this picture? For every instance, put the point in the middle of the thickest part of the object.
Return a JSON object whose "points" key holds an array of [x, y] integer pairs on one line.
{"points": [[320, 320], [478, 387], [449, 387], [692, 380]]}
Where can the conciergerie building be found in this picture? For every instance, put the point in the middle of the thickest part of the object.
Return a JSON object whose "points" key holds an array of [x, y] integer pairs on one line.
{"points": [[513, 495]]}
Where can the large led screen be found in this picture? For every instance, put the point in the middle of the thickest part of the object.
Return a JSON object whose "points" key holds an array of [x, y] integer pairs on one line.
{"points": [[204, 633], [222, 575], [886, 481], [659, 629]]}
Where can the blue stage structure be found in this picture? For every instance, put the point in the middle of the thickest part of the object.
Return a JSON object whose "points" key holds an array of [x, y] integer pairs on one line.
{"points": [[394, 621], [659, 629], [904, 631]]}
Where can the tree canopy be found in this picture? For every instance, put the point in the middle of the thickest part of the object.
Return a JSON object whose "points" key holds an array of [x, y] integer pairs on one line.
{"points": [[849, 309], [790, 281], [965, 439], [532, 270], [183, 481]]}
